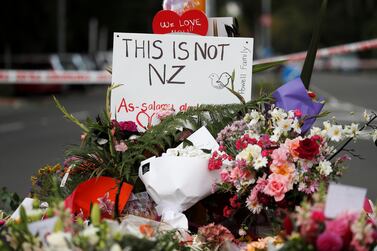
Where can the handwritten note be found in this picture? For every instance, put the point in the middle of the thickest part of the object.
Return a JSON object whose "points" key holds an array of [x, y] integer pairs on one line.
{"points": [[176, 72]]}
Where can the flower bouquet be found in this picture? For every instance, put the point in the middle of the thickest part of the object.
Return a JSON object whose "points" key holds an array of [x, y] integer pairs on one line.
{"points": [[308, 229]]}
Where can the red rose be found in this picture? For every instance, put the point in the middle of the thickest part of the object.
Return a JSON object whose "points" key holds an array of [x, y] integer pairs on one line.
{"points": [[308, 149], [318, 216], [128, 126], [288, 225]]}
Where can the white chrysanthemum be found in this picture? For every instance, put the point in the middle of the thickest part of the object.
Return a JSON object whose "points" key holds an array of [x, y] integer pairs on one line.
{"points": [[91, 234], [315, 131], [254, 207], [325, 168], [255, 117], [351, 131], [335, 133], [260, 162], [276, 134], [59, 241], [278, 114], [285, 124], [291, 114], [250, 153], [326, 125], [296, 126]]}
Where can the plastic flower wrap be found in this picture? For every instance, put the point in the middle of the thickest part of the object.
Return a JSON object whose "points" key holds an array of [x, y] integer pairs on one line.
{"points": [[266, 163], [180, 178], [294, 96]]}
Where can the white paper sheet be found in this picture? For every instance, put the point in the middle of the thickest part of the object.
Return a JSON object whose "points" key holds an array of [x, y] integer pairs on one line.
{"points": [[341, 199], [27, 203]]}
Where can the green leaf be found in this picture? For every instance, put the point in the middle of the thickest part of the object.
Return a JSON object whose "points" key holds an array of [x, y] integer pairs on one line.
{"points": [[307, 69], [69, 116], [265, 66]]}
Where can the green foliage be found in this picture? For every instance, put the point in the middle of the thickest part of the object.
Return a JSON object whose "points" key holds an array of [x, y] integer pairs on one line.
{"points": [[96, 155], [45, 184], [308, 67], [297, 244], [265, 66], [8, 201]]}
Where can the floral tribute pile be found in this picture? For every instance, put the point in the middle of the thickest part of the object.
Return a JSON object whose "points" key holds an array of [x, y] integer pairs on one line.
{"points": [[268, 194], [250, 176]]}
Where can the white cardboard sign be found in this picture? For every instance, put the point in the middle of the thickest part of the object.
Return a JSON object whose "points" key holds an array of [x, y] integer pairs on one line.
{"points": [[169, 71], [342, 199]]}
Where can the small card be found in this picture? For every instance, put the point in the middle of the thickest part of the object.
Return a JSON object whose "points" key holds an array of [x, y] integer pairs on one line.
{"points": [[341, 199], [203, 139], [27, 203], [216, 26]]}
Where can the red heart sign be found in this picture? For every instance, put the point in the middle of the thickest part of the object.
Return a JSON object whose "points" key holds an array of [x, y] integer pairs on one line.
{"points": [[144, 120], [191, 21]]}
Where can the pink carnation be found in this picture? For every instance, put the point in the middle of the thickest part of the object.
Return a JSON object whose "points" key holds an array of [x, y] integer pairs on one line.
{"points": [[342, 226], [329, 241], [128, 126], [164, 113], [277, 186], [224, 174]]}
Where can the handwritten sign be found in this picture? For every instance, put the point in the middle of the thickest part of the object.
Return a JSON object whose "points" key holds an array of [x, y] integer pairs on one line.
{"points": [[175, 72], [192, 21]]}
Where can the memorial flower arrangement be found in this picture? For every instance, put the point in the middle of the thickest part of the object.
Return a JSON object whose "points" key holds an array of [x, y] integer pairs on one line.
{"points": [[309, 229], [64, 232], [267, 163]]}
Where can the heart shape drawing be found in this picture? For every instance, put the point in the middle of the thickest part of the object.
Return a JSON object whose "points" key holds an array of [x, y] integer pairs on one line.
{"points": [[144, 120], [191, 21]]}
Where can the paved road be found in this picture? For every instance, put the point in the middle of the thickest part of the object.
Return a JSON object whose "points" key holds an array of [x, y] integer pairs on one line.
{"points": [[33, 132]]}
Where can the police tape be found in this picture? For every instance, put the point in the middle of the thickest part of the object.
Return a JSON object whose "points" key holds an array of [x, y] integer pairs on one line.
{"points": [[103, 77], [54, 77], [325, 52]]}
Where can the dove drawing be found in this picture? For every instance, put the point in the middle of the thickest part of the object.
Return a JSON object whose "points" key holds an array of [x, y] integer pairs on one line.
{"points": [[220, 82]]}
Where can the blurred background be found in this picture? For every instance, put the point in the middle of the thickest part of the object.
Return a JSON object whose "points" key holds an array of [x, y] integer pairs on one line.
{"points": [[76, 35]]}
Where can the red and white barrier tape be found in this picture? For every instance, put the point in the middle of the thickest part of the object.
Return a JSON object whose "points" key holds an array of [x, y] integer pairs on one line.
{"points": [[325, 52], [103, 77], [54, 77]]}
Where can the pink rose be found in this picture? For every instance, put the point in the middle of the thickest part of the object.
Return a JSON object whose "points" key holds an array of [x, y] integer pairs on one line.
{"points": [[277, 186], [280, 155], [329, 241]]}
